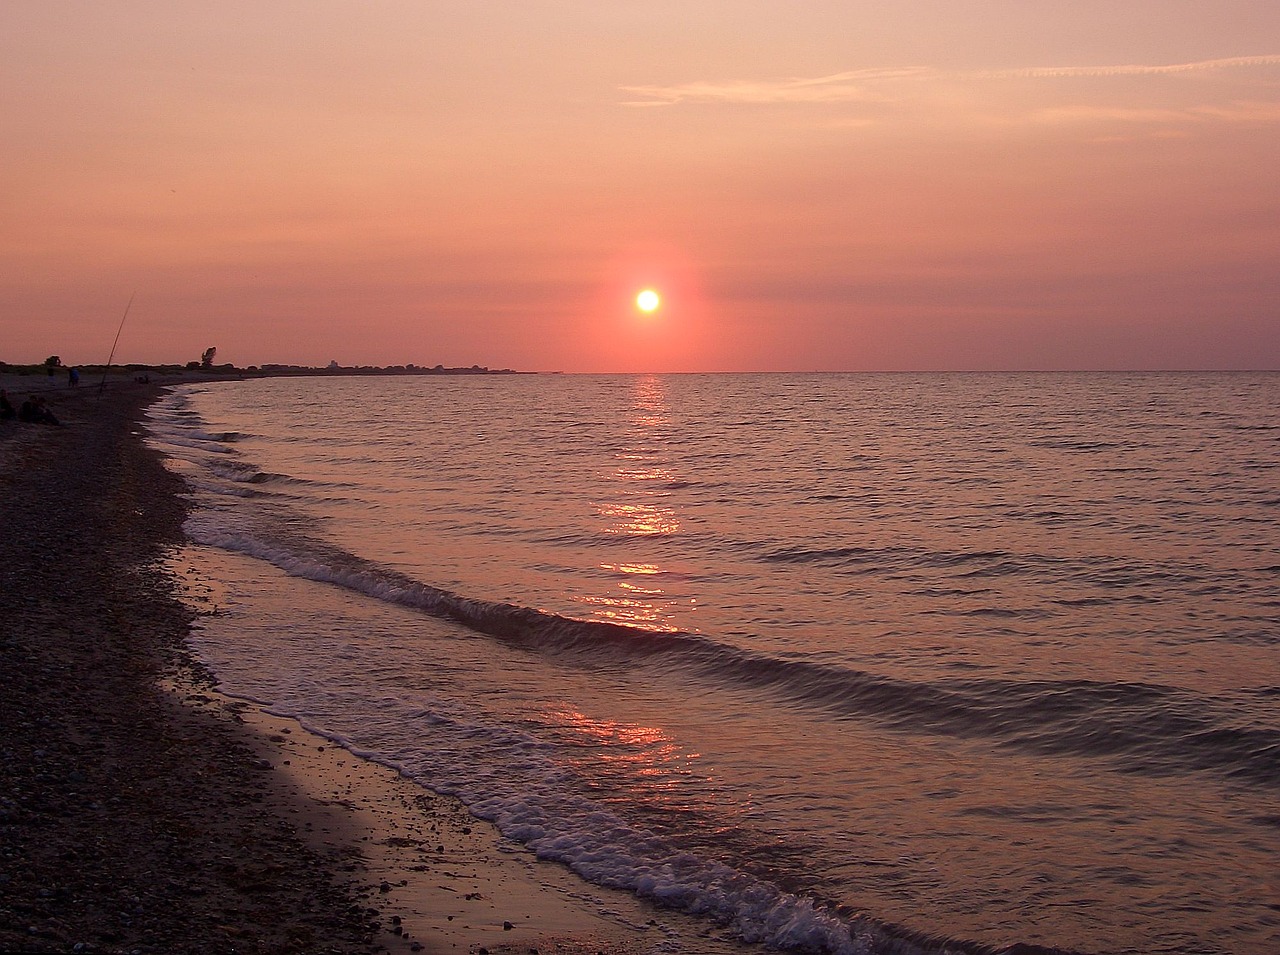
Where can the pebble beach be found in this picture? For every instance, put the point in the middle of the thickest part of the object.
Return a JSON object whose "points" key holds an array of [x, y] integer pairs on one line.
{"points": [[128, 822], [141, 811]]}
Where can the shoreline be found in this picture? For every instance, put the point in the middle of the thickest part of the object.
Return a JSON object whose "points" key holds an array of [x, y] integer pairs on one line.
{"points": [[127, 825], [439, 879], [141, 810]]}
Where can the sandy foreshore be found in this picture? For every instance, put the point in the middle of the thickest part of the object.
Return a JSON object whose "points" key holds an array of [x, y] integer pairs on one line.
{"points": [[141, 811]]}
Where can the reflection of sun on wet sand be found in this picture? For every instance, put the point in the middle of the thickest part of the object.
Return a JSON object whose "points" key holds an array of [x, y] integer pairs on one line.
{"points": [[142, 810], [440, 879]]}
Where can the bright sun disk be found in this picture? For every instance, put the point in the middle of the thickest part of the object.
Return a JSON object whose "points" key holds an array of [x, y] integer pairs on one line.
{"points": [[648, 301]]}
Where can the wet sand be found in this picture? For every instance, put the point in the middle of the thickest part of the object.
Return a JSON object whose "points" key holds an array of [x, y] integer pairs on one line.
{"points": [[142, 811]]}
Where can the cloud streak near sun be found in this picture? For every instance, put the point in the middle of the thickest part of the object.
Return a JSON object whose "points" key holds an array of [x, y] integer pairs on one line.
{"points": [[1200, 66], [872, 84], [836, 88]]}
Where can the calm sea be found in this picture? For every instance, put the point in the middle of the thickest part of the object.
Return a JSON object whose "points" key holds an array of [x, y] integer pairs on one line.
{"points": [[845, 663]]}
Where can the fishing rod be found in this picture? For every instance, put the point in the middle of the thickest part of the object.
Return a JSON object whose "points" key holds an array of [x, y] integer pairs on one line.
{"points": [[115, 343]]}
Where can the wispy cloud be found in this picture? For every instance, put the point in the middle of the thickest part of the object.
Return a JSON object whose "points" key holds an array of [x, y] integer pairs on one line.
{"points": [[873, 84], [837, 88], [1200, 66]]}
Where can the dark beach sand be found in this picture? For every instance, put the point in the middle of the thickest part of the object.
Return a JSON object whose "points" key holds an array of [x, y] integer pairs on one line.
{"points": [[127, 822], [140, 811]]}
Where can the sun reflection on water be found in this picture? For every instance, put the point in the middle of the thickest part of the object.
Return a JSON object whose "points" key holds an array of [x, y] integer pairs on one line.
{"points": [[640, 505], [645, 569], [639, 520], [644, 474], [647, 753]]}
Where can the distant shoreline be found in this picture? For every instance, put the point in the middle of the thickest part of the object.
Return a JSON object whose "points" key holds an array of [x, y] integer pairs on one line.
{"points": [[90, 374]]}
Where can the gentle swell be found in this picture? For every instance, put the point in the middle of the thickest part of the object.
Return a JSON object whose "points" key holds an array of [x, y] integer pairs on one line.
{"points": [[1106, 574], [1144, 728], [242, 473]]}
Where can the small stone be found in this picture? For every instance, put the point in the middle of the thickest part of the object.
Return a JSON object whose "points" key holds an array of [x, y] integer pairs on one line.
{"points": [[507, 926], [384, 887]]}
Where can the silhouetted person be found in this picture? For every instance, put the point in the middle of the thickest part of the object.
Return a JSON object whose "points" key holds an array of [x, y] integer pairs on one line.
{"points": [[33, 411]]}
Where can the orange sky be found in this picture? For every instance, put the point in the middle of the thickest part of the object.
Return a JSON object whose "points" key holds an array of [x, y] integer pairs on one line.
{"points": [[830, 185]]}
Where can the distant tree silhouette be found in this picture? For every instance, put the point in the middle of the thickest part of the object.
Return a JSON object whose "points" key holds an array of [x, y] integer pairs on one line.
{"points": [[53, 361], [206, 360]]}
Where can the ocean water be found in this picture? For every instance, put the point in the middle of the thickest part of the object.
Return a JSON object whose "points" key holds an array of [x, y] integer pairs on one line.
{"points": [[838, 663]]}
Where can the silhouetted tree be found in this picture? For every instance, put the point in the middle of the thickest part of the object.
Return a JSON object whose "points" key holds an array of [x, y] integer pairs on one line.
{"points": [[53, 361], [206, 360]]}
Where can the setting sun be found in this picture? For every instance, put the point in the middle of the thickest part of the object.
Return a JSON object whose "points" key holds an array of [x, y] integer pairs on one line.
{"points": [[648, 300]]}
